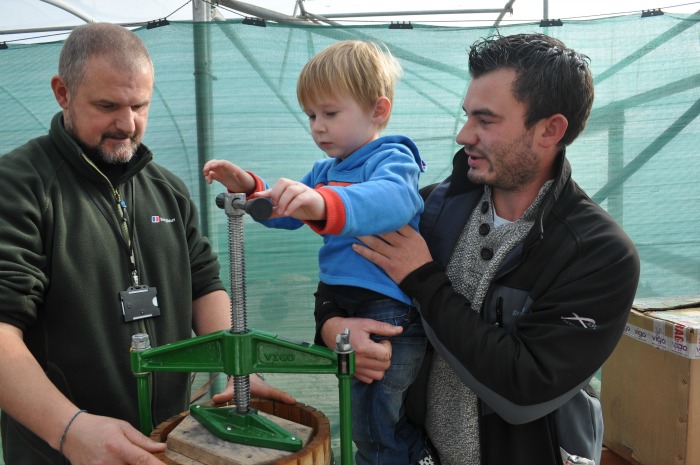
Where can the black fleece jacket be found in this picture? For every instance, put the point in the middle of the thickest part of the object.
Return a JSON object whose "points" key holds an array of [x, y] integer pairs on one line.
{"points": [[64, 260]]}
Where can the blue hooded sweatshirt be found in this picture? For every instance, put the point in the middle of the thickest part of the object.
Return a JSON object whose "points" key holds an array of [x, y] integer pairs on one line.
{"points": [[374, 190]]}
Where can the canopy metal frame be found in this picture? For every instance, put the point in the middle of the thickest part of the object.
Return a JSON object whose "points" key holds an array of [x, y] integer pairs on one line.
{"points": [[208, 10], [301, 14]]}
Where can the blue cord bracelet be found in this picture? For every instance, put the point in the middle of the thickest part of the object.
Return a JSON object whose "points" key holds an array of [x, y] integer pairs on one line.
{"points": [[65, 431]]}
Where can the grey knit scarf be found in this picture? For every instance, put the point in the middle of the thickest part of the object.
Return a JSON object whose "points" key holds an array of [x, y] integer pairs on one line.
{"points": [[452, 419]]}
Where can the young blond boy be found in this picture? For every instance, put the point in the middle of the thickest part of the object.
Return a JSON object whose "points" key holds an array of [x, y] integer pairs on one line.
{"points": [[367, 185]]}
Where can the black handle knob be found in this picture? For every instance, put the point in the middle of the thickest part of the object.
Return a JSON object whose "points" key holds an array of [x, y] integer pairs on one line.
{"points": [[259, 209], [221, 200]]}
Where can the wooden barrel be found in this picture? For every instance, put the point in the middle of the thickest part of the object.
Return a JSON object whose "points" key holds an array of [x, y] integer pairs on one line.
{"points": [[316, 452]]}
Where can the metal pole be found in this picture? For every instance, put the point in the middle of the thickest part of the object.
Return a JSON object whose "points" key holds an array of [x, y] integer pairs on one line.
{"points": [[506, 9], [260, 12], [72, 9], [371, 14], [201, 13], [346, 362], [139, 343]]}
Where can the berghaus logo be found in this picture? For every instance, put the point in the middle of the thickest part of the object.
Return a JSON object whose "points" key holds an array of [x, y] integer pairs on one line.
{"points": [[161, 219]]}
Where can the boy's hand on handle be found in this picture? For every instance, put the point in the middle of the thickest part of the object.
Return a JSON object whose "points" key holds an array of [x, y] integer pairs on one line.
{"points": [[295, 199], [233, 177]]}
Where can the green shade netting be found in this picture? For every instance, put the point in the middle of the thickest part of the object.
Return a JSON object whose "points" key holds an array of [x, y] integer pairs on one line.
{"points": [[638, 157]]}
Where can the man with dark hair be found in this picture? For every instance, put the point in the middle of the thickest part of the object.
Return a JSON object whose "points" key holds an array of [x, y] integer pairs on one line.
{"points": [[523, 282], [76, 235]]}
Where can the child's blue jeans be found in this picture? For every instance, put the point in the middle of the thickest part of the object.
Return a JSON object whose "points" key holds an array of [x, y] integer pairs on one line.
{"points": [[380, 431]]}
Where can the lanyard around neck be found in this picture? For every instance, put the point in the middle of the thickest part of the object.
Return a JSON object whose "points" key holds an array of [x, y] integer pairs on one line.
{"points": [[121, 210]]}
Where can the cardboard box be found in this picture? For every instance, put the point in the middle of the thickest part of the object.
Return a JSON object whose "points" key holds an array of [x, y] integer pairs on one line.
{"points": [[650, 386]]}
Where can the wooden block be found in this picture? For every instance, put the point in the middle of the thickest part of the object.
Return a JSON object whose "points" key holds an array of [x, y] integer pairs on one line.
{"points": [[191, 439], [180, 459]]}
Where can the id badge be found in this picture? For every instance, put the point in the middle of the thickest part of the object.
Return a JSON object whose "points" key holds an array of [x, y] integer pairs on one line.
{"points": [[139, 302]]}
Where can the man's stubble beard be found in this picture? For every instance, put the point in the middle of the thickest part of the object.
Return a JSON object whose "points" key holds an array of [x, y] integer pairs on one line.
{"points": [[514, 164], [122, 154]]}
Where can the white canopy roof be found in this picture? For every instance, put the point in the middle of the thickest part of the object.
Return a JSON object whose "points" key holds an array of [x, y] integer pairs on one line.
{"points": [[47, 20]]}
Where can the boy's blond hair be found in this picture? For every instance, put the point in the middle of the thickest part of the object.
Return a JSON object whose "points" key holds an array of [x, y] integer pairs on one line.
{"points": [[363, 71]]}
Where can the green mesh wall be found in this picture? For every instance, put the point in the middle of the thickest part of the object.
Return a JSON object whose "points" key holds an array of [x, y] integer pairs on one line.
{"points": [[638, 157]]}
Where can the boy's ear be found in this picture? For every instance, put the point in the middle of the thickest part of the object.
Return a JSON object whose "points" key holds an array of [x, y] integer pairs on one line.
{"points": [[382, 110]]}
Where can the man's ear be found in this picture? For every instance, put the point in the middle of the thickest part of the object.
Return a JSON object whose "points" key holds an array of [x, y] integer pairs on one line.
{"points": [[382, 110], [60, 91], [550, 130]]}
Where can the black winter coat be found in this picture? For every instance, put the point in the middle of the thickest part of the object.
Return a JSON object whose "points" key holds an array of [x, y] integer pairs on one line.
{"points": [[553, 314]]}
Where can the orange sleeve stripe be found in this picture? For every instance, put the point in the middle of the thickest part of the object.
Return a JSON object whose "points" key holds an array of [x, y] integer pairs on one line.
{"points": [[259, 185], [335, 214]]}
